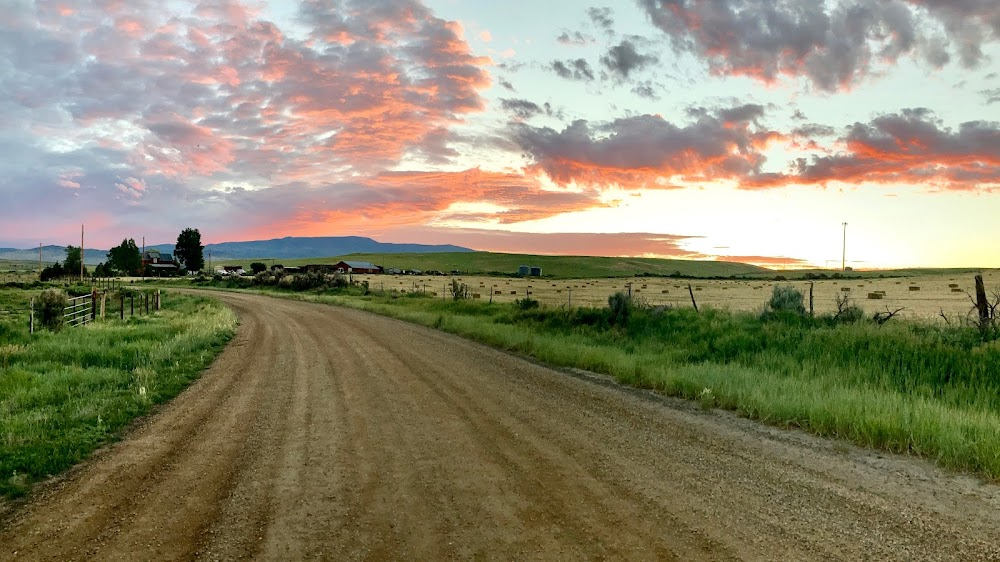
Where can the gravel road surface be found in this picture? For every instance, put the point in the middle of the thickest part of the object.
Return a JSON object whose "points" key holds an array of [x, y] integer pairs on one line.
{"points": [[324, 433]]}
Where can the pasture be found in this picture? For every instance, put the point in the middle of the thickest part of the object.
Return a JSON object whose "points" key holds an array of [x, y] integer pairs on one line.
{"points": [[923, 297]]}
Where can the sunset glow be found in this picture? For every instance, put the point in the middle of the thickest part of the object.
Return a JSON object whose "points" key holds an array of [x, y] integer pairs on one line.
{"points": [[738, 130]]}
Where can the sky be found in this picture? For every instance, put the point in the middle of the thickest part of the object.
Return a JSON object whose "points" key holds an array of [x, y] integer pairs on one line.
{"points": [[736, 130]]}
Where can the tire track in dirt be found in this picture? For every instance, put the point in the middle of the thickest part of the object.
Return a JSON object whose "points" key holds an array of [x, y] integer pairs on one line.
{"points": [[327, 433]]}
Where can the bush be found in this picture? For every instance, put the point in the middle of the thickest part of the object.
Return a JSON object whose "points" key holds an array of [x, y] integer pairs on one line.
{"points": [[527, 303], [621, 306], [258, 267], [847, 312], [459, 291], [51, 306], [787, 299]]}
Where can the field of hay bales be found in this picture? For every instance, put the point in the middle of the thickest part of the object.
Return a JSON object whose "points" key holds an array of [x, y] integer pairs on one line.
{"points": [[924, 297]]}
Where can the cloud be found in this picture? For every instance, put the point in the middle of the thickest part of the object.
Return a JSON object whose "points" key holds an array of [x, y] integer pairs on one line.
{"points": [[646, 90], [623, 59], [524, 109], [603, 18], [992, 96], [578, 69], [910, 147], [574, 38], [133, 107], [647, 150], [834, 45]]}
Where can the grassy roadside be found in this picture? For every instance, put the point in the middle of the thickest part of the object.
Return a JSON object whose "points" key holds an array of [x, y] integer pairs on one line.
{"points": [[64, 394], [923, 390]]}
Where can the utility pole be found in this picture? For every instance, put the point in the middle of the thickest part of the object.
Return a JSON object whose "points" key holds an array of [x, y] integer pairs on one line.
{"points": [[843, 262], [39, 260], [210, 270], [142, 259], [81, 253]]}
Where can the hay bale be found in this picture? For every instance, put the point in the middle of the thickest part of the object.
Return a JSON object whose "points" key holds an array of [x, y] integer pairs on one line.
{"points": [[874, 296], [914, 288], [664, 291], [956, 290], [475, 295], [845, 289], [513, 292], [952, 285]]}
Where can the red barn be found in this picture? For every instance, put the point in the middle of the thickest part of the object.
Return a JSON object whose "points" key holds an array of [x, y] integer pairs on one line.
{"points": [[361, 267]]}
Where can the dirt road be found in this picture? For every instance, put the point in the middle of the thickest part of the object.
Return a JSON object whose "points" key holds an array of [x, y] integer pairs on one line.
{"points": [[324, 433]]}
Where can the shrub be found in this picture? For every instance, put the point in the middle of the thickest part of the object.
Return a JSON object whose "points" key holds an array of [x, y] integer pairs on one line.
{"points": [[527, 303], [847, 312], [788, 299], [258, 267], [621, 306], [51, 306], [459, 291]]}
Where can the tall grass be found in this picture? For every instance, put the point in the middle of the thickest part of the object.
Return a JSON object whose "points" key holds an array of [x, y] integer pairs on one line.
{"points": [[64, 394], [925, 390]]}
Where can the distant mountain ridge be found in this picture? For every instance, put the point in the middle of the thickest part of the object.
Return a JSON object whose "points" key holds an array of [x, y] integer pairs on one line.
{"points": [[278, 248]]}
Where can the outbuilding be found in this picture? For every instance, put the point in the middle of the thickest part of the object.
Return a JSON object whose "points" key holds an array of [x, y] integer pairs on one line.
{"points": [[360, 267]]}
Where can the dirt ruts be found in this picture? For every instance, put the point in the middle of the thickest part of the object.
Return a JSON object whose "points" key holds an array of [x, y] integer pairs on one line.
{"points": [[326, 433]]}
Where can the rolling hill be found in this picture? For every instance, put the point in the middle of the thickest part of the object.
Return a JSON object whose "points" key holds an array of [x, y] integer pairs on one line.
{"points": [[552, 266]]}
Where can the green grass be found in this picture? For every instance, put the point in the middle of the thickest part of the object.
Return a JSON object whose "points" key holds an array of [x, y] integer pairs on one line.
{"points": [[64, 394], [563, 267], [925, 390]]}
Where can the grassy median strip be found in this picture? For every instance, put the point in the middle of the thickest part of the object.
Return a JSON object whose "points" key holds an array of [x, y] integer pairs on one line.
{"points": [[64, 394], [931, 391]]}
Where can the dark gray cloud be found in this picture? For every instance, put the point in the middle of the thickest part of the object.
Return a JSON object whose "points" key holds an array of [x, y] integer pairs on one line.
{"points": [[505, 84], [813, 130], [602, 18], [623, 59], [833, 45], [642, 150], [647, 90], [992, 96], [524, 109], [574, 38], [578, 69], [910, 147]]}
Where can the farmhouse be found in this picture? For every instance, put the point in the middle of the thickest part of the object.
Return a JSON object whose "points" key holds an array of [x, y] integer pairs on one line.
{"points": [[357, 267], [156, 263]]}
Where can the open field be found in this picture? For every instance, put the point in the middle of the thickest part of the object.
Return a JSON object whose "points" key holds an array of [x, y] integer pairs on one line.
{"points": [[552, 266], [924, 297], [64, 394], [328, 433], [581, 267]]}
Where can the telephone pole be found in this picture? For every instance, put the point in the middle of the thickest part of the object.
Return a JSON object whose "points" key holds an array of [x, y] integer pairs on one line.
{"points": [[843, 262], [81, 253]]}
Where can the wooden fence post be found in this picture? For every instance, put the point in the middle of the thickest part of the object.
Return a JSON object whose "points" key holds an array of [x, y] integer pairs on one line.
{"points": [[982, 305], [157, 300], [693, 302], [121, 295], [93, 304], [811, 298], [131, 306], [104, 302], [31, 318]]}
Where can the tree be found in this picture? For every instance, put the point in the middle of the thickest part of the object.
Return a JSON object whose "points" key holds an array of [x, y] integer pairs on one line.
{"points": [[258, 267], [54, 271], [125, 258], [72, 263], [189, 251]]}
